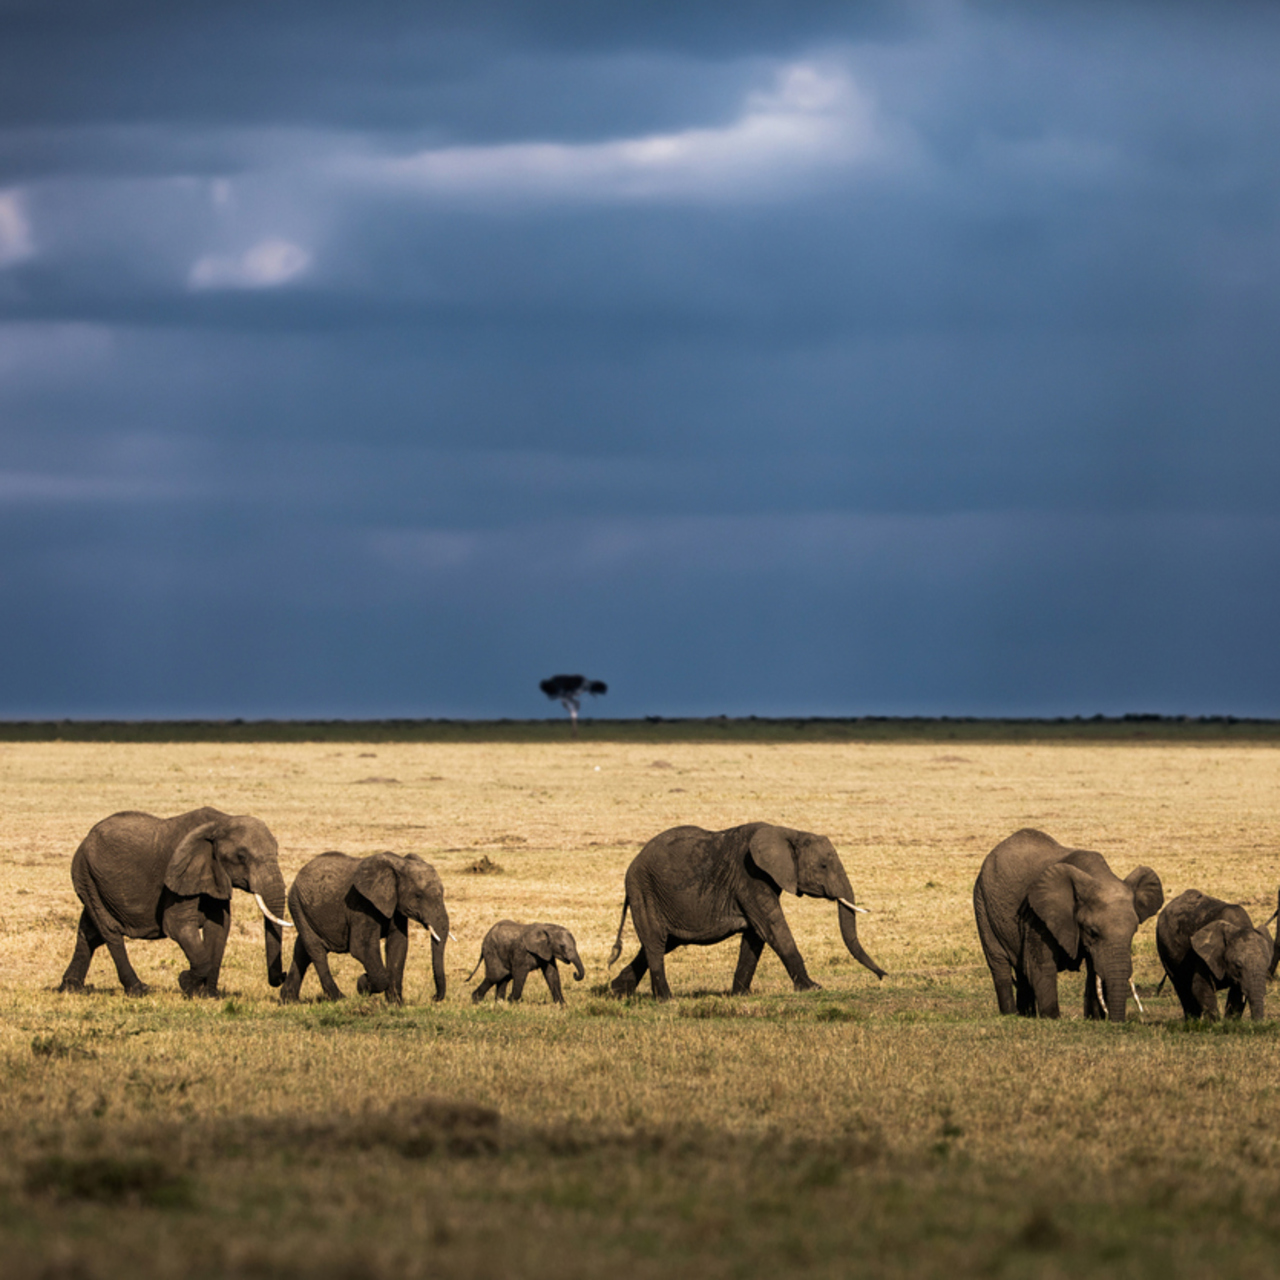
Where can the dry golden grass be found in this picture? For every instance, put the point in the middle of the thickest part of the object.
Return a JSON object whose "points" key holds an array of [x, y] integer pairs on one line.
{"points": [[900, 1124]]}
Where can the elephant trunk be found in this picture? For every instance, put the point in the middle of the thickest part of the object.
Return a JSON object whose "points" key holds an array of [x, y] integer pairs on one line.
{"points": [[1113, 981], [268, 886], [849, 933], [578, 971], [1255, 992], [438, 927]]}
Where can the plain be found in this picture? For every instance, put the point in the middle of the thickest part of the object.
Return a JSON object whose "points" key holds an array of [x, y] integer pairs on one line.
{"points": [[899, 1128]]}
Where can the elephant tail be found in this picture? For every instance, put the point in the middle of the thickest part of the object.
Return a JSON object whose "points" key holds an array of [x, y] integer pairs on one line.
{"points": [[617, 943], [472, 974]]}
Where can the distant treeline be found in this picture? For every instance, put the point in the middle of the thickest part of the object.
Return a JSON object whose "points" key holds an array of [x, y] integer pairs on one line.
{"points": [[658, 729]]}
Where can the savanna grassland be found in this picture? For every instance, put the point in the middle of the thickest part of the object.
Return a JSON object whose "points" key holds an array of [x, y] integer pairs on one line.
{"points": [[881, 1129]]}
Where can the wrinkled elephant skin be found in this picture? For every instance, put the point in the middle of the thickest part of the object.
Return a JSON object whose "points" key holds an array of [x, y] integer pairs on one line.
{"points": [[511, 951], [1207, 945], [349, 905], [690, 887], [1042, 908], [139, 876]]}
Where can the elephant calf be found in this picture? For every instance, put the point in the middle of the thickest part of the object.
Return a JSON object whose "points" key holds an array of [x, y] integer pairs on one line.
{"points": [[346, 904], [511, 951], [1206, 946]]}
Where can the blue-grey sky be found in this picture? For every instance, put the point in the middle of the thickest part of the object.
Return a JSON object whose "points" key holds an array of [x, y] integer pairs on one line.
{"points": [[767, 357]]}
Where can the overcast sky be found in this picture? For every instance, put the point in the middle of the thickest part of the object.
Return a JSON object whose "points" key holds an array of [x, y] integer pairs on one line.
{"points": [[767, 357]]}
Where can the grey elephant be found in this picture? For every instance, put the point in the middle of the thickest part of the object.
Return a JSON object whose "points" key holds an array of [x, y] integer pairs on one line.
{"points": [[688, 886], [1042, 908], [511, 951], [139, 876], [1206, 946], [349, 905]]}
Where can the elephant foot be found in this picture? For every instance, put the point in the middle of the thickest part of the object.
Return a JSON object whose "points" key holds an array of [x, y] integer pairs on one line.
{"points": [[808, 985], [71, 986], [363, 985], [197, 988], [622, 990], [137, 989]]}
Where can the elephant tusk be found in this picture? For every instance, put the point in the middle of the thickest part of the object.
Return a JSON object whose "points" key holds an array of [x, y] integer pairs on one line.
{"points": [[1134, 989], [434, 934], [1102, 1000], [453, 937], [851, 905], [262, 906]]}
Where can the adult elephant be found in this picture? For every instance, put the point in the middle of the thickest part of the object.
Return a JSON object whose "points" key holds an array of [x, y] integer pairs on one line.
{"points": [[1042, 908], [693, 887], [140, 876], [511, 951], [1207, 945], [345, 904]]}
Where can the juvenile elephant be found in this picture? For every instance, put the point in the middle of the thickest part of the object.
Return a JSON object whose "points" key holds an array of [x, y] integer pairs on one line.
{"points": [[139, 876], [688, 886], [1041, 908], [346, 904], [1206, 946], [511, 951]]}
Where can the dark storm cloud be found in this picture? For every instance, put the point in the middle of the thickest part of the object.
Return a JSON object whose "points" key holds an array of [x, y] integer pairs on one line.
{"points": [[924, 352]]}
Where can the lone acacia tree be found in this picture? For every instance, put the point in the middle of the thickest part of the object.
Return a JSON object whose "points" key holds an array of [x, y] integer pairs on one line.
{"points": [[568, 691]]}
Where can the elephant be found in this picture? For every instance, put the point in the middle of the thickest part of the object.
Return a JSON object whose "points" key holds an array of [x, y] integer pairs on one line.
{"points": [[345, 904], [1206, 946], [511, 951], [1042, 908], [688, 886], [140, 876]]}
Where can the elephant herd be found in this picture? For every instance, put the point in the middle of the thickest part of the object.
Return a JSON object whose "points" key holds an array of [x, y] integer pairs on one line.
{"points": [[1040, 909]]}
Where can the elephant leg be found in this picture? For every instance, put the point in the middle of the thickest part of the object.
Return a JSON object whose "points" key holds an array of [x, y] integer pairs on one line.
{"points": [[1044, 986], [501, 992], [182, 923], [366, 947], [129, 980], [1205, 997], [551, 972], [481, 991], [629, 978], [1235, 1001], [657, 958], [203, 939], [772, 926], [331, 989], [519, 974], [397, 955], [88, 940], [749, 953], [297, 971], [1024, 996], [1002, 980]]}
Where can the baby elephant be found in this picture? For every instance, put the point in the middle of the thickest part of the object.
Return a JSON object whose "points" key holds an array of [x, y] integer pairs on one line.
{"points": [[510, 950], [346, 904], [1207, 945]]}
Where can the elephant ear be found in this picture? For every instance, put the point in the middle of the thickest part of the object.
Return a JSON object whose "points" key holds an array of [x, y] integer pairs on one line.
{"points": [[194, 867], [1210, 944], [1053, 899], [1148, 892], [538, 942], [771, 851], [375, 880]]}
